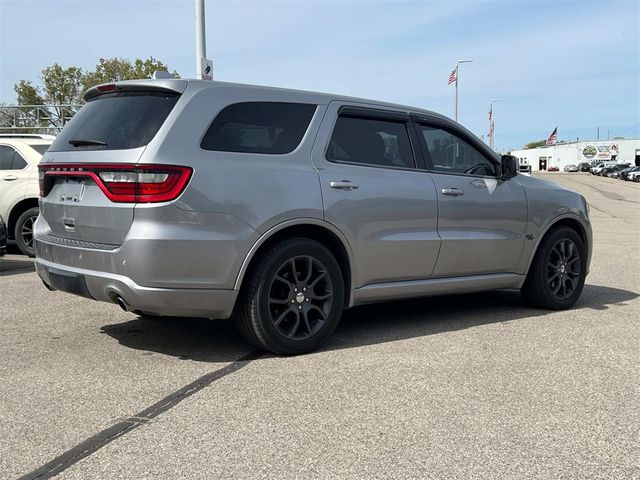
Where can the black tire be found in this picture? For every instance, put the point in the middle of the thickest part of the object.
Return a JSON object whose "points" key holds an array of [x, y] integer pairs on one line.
{"points": [[24, 231], [292, 298], [557, 274]]}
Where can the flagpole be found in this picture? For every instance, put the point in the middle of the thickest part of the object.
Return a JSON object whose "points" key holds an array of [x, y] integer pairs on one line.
{"points": [[458, 62], [457, 75], [492, 123]]}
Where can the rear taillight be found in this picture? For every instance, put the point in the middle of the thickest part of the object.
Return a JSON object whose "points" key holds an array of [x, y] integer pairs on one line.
{"points": [[123, 183]]}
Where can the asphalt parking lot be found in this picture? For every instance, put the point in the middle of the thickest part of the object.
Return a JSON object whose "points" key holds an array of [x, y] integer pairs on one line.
{"points": [[473, 386]]}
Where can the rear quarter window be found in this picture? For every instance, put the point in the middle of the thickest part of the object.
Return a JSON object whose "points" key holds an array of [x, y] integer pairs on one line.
{"points": [[259, 127], [120, 120], [40, 148]]}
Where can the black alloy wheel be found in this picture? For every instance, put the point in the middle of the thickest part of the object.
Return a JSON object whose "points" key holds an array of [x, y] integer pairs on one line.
{"points": [[300, 297], [24, 231], [564, 269], [292, 297], [557, 273]]}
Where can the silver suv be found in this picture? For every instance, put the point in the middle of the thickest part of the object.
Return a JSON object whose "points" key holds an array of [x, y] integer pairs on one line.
{"points": [[281, 208]]}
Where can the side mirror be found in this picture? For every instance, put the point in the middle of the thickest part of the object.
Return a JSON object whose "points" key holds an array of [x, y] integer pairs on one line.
{"points": [[508, 166]]}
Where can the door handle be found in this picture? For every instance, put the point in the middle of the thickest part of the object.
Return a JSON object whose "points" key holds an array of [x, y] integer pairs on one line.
{"points": [[343, 185], [10, 178], [453, 191]]}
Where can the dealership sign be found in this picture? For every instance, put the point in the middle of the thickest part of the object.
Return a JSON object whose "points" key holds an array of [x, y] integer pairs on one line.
{"points": [[600, 152]]}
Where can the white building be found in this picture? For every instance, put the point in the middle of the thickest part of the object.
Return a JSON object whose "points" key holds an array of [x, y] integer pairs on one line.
{"points": [[573, 153]]}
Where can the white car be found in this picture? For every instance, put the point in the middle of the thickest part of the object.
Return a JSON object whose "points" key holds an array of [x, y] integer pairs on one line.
{"points": [[634, 176], [19, 189]]}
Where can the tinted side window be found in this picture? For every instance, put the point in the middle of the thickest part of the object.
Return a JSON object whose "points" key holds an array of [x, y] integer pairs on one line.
{"points": [[259, 127], [371, 141], [40, 148], [10, 159], [18, 162], [449, 153]]}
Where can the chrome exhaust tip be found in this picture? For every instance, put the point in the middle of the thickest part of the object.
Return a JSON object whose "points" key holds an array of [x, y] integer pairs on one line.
{"points": [[121, 303]]}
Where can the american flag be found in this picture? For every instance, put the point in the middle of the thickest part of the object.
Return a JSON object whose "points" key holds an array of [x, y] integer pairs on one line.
{"points": [[553, 137], [452, 76]]}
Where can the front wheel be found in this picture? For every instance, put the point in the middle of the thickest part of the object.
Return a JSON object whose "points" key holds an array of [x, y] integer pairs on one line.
{"points": [[292, 299], [557, 274], [24, 231]]}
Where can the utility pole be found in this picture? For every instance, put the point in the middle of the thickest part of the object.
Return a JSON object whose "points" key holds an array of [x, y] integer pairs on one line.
{"points": [[598, 132], [201, 41], [458, 62], [492, 124]]}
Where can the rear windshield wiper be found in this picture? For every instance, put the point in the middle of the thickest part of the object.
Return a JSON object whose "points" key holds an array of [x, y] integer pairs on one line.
{"points": [[78, 142]]}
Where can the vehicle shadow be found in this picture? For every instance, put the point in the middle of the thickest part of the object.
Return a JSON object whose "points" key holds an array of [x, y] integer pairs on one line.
{"points": [[219, 341], [14, 266]]}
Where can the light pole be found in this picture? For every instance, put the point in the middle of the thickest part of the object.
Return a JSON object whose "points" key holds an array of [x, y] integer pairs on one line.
{"points": [[201, 41], [458, 62], [492, 122]]}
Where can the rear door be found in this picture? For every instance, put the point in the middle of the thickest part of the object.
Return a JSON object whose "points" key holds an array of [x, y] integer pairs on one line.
{"points": [[97, 152], [14, 176], [481, 218], [373, 192]]}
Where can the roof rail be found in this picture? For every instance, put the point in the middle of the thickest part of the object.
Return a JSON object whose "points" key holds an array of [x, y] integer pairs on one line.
{"points": [[41, 136]]}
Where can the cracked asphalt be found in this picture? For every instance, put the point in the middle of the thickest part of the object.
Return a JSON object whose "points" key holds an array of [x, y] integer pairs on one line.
{"points": [[469, 386]]}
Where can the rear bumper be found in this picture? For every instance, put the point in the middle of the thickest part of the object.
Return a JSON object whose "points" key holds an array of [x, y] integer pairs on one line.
{"points": [[107, 287]]}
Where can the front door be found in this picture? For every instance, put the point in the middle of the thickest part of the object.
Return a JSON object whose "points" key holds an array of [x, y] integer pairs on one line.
{"points": [[542, 163], [481, 218], [373, 192]]}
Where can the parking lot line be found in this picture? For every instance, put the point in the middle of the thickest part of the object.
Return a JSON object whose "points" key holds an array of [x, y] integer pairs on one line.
{"points": [[96, 442]]}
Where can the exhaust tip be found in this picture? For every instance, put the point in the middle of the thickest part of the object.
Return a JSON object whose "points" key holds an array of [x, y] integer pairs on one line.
{"points": [[121, 303]]}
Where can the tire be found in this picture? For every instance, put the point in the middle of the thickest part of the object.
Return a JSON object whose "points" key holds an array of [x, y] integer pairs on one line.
{"points": [[292, 299], [24, 231], [557, 274]]}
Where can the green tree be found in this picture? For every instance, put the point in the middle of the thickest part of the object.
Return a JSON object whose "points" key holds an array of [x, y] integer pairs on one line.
{"points": [[118, 69], [66, 86], [27, 93], [536, 144]]}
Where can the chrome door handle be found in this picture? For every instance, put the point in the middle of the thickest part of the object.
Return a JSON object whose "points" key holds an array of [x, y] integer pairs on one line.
{"points": [[343, 185], [455, 192], [10, 178]]}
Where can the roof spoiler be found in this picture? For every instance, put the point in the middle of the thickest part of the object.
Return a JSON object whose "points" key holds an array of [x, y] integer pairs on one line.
{"points": [[159, 85]]}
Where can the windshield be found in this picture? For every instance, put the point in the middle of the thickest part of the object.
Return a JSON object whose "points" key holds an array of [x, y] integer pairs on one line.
{"points": [[116, 121]]}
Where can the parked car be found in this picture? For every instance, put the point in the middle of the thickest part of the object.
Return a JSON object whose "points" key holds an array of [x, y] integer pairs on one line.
{"points": [[284, 207], [596, 168], [634, 176], [3, 237], [19, 157], [570, 168], [624, 174], [611, 171], [584, 166], [553, 168]]}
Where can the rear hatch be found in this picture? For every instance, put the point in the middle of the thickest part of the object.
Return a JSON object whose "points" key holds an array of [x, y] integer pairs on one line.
{"points": [[90, 178]]}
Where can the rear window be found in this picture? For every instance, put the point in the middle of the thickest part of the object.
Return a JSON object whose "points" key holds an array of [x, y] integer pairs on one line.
{"points": [[120, 120], [259, 127]]}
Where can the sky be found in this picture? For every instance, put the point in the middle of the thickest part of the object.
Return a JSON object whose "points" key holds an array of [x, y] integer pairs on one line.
{"points": [[565, 63]]}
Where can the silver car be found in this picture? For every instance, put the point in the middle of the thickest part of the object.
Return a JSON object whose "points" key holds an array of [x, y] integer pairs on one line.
{"points": [[281, 208]]}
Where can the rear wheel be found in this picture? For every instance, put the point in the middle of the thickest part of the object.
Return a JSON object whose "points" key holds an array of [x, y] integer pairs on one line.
{"points": [[24, 231], [557, 274], [292, 299]]}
